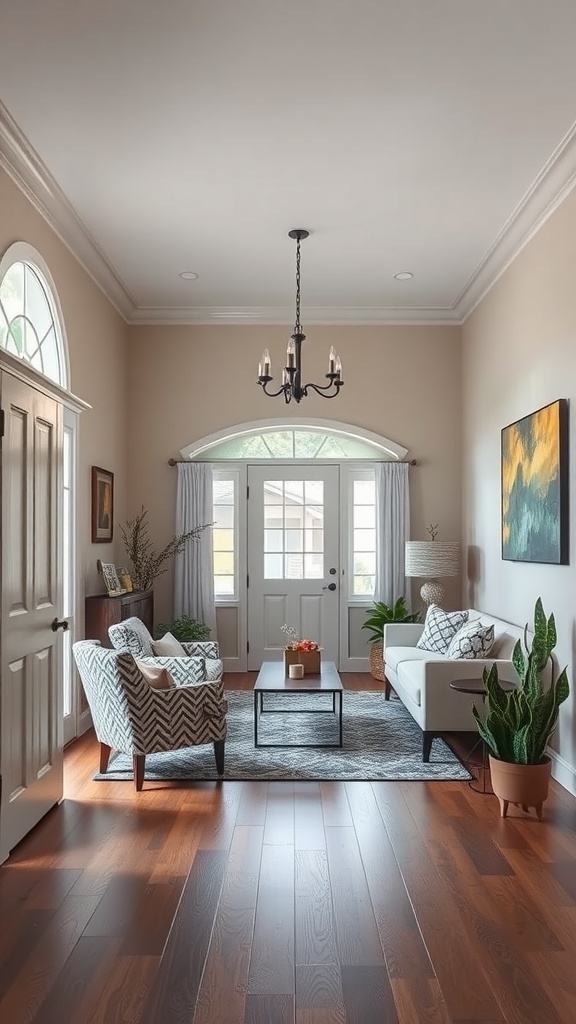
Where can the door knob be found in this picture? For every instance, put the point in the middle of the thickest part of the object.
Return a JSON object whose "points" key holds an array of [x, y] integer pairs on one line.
{"points": [[330, 586], [59, 624]]}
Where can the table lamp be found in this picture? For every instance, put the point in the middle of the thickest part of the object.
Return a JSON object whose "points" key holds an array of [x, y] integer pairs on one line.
{"points": [[430, 560]]}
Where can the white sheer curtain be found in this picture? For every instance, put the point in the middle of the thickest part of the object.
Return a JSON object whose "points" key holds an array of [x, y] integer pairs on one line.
{"points": [[392, 530], [193, 576]]}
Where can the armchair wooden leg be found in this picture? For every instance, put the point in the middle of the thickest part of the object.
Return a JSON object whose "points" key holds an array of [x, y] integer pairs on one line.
{"points": [[388, 687], [105, 752], [219, 755], [139, 762]]}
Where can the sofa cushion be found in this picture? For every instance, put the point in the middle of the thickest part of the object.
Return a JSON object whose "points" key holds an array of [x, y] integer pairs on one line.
{"points": [[439, 628], [396, 655], [472, 640], [410, 677]]}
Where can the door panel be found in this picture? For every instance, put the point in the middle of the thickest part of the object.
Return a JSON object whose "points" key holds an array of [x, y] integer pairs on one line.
{"points": [[292, 546], [31, 692]]}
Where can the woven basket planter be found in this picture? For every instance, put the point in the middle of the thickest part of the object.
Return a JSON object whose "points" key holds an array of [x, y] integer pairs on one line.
{"points": [[377, 660]]}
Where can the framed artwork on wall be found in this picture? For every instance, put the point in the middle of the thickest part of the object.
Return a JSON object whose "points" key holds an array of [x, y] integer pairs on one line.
{"points": [[534, 465], [102, 505]]}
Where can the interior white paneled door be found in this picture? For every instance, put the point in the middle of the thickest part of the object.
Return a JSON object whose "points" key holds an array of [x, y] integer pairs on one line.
{"points": [[31, 691], [293, 564]]}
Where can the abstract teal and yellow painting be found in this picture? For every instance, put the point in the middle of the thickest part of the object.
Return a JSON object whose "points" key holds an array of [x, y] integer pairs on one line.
{"points": [[535, 486]]}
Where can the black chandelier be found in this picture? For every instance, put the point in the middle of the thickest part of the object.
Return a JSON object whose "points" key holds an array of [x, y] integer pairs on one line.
{"points": [[292, 387]]}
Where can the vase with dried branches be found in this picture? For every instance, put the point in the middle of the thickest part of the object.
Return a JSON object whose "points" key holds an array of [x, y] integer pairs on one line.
{"points": [[148, 563]]}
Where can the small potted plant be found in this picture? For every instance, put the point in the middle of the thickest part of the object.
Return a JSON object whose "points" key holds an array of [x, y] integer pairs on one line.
{"points": [[378, 617], [184, 628], [518, 724], [300, 651]]}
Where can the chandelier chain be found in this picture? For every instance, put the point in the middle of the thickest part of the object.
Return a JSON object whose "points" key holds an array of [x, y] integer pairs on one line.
{"points": [[297, 327]]}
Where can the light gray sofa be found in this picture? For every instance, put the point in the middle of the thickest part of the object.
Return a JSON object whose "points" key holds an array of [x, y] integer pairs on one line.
{"points": [[421, 679]]}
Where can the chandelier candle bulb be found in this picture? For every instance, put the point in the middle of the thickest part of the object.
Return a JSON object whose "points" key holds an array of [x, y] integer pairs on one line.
{"points": [[266, 362], [331, 360], [338, 369], [291, 354]]}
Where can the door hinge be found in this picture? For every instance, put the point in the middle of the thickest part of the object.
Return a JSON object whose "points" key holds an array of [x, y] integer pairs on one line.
{"points": [[247, 491], [247, 580], [247, 647], [1, 422]]}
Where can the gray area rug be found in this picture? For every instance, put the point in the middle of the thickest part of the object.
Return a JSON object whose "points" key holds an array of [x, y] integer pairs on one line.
{"points": [[381, 741]]}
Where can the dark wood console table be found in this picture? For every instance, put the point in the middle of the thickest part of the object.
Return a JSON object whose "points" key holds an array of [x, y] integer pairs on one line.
{"points": [[102, 611]]}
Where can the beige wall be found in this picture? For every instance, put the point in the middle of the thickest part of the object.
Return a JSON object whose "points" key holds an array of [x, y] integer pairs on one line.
{"points": [[519, 354], [402, 382], [96, 336]]}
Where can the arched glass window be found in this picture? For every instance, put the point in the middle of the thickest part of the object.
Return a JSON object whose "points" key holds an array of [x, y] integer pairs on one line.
{"points": [[320, 439], [29, 324]]}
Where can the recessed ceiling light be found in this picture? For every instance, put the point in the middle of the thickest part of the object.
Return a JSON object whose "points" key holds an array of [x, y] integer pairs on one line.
{"points": [[404, 275], [189, 275]]}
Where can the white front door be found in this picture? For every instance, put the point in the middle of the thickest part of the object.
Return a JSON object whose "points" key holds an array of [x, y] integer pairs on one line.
{"points": [[293, 563], [31, 690]]}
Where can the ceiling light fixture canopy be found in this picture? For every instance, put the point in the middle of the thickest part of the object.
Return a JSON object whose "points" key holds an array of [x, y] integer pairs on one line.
{"points": [[292, 387]]}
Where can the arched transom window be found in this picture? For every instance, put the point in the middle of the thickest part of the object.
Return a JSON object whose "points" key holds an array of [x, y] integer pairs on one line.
{"points": [[29, 325], [312, 439]]}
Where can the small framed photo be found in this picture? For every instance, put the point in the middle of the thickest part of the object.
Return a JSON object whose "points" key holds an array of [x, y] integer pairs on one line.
{"points": [[111, 581], [102, 505], [125, 580]]}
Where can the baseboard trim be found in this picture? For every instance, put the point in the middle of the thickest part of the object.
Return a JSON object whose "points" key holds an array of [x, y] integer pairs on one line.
{"points": [[562, 772]]}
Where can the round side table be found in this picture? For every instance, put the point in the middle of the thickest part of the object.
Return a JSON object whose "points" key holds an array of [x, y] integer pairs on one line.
{"points": [[476, 687]]}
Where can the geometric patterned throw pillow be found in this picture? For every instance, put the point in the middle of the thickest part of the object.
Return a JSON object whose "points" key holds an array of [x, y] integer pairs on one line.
{"points": [[473, 640], [439, 628]]}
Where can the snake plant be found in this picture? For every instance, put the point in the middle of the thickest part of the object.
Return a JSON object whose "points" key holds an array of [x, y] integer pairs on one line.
{"points": [[518, 724]]}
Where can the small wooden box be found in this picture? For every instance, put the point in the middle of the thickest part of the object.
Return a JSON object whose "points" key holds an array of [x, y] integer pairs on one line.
{"points": [[310, 660]]}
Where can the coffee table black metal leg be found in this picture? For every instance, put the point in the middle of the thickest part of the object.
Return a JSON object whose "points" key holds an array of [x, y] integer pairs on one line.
{"points": [[255, 719], [340, 716]]}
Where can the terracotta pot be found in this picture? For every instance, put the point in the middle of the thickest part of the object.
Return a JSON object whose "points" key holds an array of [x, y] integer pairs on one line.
{"points": [[525, 785]]}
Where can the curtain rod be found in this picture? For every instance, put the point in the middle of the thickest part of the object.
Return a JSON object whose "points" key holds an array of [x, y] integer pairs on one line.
{"points": [[409, 462]]}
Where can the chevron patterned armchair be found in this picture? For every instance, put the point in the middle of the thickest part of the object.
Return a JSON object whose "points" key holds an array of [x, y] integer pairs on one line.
{"points": [[130, 716], [133, 636]]}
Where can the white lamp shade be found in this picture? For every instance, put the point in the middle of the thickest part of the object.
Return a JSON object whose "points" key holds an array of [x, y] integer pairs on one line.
{"points": [[430, 559]]}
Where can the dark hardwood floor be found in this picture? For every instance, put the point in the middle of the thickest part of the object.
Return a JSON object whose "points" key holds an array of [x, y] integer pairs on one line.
{"points": [[269, 903]]}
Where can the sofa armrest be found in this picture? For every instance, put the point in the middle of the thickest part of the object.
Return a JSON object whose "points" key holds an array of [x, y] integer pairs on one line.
{"points": [[402, 634]]}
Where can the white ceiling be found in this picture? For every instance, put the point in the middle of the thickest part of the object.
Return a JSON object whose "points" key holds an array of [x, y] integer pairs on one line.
{"points": [[160, 136]]}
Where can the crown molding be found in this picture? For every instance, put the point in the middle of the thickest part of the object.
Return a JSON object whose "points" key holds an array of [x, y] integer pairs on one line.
{"points": [[23, 165], [29, 173], [316, 315], [549, 189]]}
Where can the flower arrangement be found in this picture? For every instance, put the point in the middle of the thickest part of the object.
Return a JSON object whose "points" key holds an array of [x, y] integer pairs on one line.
{"points": [[295, 643]]}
